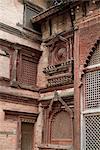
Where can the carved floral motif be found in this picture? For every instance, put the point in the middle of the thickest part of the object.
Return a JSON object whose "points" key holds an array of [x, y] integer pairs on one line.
{"points": [[60, 49]]}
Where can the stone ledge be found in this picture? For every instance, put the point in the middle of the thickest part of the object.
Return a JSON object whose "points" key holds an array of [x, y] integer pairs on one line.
{"points": [[62, 93]]}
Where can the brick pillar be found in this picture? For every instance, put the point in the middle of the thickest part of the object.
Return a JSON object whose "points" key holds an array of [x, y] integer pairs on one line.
{"points": [[38, 129], [77, 93]]}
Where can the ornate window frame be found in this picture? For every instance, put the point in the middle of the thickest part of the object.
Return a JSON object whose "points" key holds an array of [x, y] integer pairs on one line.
{"points": [[49, 115], [89, 111]]}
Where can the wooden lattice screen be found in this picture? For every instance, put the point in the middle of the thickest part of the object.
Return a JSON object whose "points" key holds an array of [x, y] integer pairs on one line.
{"points": [[92, 130], [61, 126], [91, 105], [92, 89], [28, 71]]}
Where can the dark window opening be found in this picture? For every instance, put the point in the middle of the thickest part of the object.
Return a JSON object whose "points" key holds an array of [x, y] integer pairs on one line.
{"points": [[37, 27], [50, 26]]}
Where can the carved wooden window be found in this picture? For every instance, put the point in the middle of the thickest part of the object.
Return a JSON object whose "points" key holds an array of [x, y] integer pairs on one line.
{"points": [[61, 128], [28, 70], [91, 104], [4, 63], [27, 130]]}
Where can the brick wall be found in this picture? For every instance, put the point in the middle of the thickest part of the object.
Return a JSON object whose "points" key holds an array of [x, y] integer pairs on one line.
{"points": [[85, 37], [9, 127]]}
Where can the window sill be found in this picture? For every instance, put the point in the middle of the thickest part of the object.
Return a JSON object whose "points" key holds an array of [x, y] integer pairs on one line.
{"points": [[28, 87], [32, 30], [4, 79], [28, 29], [15, 84]]}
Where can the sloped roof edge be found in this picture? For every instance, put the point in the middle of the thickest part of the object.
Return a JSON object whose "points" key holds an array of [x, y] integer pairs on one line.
{"points": [[50, 11]]}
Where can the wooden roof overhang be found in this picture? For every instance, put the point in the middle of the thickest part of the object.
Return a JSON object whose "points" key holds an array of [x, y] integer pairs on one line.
{"points": [[53, 10]]}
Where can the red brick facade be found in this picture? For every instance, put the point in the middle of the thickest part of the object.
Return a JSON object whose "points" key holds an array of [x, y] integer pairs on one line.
{"points": [[42, 77]]}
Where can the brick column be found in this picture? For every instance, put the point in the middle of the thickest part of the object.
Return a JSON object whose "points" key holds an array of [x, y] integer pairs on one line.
{"points": [[77, 93]]}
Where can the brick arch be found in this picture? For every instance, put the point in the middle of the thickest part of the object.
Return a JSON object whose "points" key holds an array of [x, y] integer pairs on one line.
{"points": [[90, 54]]}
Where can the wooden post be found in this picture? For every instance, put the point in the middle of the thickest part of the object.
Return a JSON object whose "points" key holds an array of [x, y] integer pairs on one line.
{"points": [[14, 69]]}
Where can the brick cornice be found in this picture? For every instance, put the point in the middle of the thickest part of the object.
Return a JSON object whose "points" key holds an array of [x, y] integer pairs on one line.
{"points": [[19, 113], [19, 47], [59, 87], [19, 33], [22, 116], [5, 97]]}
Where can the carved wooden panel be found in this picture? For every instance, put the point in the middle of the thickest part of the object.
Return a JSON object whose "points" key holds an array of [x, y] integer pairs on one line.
{"points": [[58, 54], [61, 50], [28, 71], [61, 126]]}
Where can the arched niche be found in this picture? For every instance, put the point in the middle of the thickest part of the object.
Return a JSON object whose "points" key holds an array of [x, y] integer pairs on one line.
{"points": [[60, 127]]}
